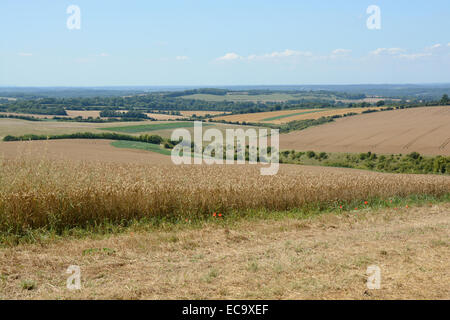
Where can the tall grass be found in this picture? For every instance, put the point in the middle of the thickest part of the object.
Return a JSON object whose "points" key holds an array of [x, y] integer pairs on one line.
{"points": [[58, 195]]}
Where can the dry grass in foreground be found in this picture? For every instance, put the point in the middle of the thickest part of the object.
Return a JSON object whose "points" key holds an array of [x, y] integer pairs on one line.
{"points": [[324, 257], [56, 195]]}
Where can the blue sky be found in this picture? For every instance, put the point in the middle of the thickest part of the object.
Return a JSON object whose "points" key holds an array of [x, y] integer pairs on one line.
{"points": [[216, 42]]}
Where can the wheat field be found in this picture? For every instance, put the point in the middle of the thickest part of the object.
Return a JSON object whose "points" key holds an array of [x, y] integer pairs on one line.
{"points": [[62, 194]]}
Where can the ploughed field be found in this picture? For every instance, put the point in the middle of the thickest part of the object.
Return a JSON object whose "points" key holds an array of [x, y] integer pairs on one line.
{"points": [[425, 130]]}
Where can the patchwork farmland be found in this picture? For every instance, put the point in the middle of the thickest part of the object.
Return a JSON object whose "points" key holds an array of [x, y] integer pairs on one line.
{"points": [[224, 150], [284, 116], [123, 202]]}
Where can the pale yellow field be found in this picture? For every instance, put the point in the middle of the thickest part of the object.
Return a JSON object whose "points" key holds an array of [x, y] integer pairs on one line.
{"points": [[260, 116], [79, 149], [184, 114], [425, 130], [318, 115], [201, 113], [18, 127], [309, 114], [159, 116], [83, 114]]}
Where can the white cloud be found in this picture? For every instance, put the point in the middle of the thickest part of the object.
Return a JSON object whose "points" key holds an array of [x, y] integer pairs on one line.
{"points": [[436, 46], [287, 53], [386, 51], [103, 55], [276, 55], [448, 44], [400, 53], [414, 56], [281, 55], [341, 51], [229, 57], [181, 58], [25, 54]]}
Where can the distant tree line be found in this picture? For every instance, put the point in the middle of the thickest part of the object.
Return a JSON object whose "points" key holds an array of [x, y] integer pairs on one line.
{"points": [[172, 101], [108, 113], [72, 119]]}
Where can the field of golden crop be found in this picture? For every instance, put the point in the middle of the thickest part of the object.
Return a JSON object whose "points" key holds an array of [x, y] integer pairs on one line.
{"points": [[299, 114], [200, 113], [83, 113], [63, 194], [425, 130]]}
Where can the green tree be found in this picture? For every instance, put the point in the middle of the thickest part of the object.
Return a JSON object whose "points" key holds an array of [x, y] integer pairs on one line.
{"points": [[445, 100]]}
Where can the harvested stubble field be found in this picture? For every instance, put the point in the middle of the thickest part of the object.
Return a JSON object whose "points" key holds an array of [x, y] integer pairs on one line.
{"points": [[57, 195], [284, 116], [18, 127], [160, 116], [201, 113], [79, 149], [83, 113], [322, 257], [425, 130]]}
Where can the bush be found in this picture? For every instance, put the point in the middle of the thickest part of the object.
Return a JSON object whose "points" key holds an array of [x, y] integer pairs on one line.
{"points": [[323, 155], [414, 155], [310, 154], [153, 139]]}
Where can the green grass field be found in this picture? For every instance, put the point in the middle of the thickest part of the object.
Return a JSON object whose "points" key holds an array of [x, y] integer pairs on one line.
{"points": [[152, 127], [141, 146]]}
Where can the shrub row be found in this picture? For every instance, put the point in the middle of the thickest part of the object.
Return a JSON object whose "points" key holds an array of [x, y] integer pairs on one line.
{"points": [[154, 139]]}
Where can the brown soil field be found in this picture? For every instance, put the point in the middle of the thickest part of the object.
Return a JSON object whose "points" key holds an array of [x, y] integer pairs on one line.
{"points": [[259, 117], [324, 257], [425, 130], [79, 149]]}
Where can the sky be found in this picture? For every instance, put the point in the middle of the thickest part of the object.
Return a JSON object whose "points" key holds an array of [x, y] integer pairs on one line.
{"points": [[218, 42]]}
